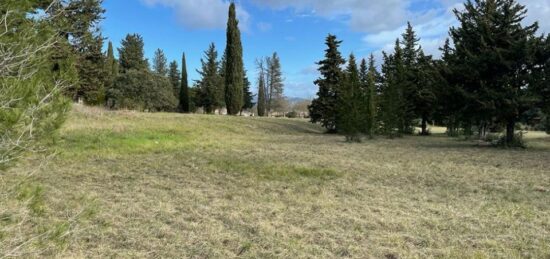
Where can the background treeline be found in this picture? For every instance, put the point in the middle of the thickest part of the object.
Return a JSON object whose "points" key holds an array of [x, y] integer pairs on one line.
{"points": [[493, 74], [131, 81]]}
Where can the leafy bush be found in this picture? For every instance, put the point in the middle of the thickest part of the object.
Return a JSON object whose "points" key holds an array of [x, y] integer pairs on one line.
{"points": [[141, 90]]}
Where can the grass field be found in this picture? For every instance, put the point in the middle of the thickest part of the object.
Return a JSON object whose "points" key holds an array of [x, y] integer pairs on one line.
{"points": [[198, 186]]}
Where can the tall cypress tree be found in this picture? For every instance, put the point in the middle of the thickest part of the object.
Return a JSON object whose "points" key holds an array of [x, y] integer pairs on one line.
{"points": [[324, 108], [111, 64], [262, 99], [174, 76], [184, 96], [411, 52], [234, 67]]}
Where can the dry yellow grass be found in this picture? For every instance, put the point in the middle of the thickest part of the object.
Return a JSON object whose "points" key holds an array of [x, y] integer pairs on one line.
{"points": [[195, 186]]}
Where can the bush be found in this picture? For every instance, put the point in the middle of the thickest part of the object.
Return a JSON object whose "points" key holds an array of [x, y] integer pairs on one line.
{"points": [[292, 115], [141, 90], [518, 141]]}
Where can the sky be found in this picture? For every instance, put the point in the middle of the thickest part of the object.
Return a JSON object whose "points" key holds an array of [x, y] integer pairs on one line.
{"points": [[295, 29]]}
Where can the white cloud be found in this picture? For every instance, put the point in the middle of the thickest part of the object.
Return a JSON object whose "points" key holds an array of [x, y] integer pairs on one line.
{"points": [[264, 27], [203, 14]]}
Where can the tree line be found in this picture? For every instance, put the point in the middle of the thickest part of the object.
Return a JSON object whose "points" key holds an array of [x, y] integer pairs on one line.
{"points": [[131, 81], [493, 74]]}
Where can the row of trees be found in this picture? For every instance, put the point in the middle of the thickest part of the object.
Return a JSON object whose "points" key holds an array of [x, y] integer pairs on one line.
{"points": [[131, 82], [490, 76]]}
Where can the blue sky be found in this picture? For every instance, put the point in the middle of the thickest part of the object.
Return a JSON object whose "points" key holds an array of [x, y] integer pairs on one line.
{"points": [[295, 29]]}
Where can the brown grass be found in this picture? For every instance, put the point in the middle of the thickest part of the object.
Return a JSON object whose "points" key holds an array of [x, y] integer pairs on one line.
{"points": [[196, 186]]}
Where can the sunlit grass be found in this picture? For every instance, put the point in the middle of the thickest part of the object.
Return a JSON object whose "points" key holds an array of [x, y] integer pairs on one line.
{"points": [[170, 185]]}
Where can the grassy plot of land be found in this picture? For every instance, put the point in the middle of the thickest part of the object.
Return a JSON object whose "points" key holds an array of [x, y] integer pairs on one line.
{"points": [[169, 185]]}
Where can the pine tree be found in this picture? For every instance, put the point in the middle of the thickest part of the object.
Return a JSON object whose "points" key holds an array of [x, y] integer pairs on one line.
{"points": [[494, 58], [428, 79], [350, 103], [323, 109], [209, 95], [174, 76], [131, 54], [234, 67], [184, 95], [160, 63], [392, 106], [92, 74], [275, 86], [411, 85], [370, 96]]}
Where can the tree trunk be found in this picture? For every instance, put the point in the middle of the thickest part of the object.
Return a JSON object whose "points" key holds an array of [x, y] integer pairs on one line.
{"points": [[510, 128]]}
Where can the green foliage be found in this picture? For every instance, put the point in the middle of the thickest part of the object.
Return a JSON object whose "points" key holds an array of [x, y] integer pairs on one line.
{"points": [[141, 90], [184, 92], [131, 53], [274, 84], [323, 109], [111, 66], [234, 67], [369, 78], [248, 95], [160, 63], [210, 86], [493, 59], [32, 107], [262, 98], [174, 76], [393, 104], [350, 104], [93, 76]]}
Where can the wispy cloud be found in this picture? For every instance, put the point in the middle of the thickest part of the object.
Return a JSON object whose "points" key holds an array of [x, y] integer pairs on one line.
{"points": [[203, 14]]}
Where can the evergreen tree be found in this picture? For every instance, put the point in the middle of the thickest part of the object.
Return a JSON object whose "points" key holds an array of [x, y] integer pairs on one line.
{"points": [[323, 109], [350, 103], [174, 76], [392, 107], [248, 95], [493, 55], [275, 86], [160, 63], [234, 67], [111, 65], [410, 87], [131, 54], [210, 95], [370, 95], [262, 99], [184, 94], [426, 99], [92, 74]]}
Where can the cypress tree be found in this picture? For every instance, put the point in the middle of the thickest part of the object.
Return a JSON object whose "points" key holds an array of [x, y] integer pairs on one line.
{"points": [[174, 76], [261, 90], [111, 63], [234, 67], [91, 70], [160, 63], [324, 108], [184, 95]]}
